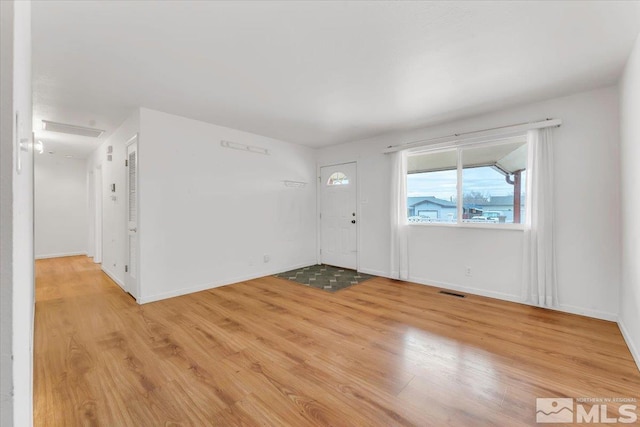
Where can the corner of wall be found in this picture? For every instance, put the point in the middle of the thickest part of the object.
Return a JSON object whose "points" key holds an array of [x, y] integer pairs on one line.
{"points": [[114, 205], [626, 334], [629, 302]]}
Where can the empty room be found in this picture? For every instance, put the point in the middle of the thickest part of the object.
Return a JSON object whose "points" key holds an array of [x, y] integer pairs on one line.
{"points": [[320, 213]]}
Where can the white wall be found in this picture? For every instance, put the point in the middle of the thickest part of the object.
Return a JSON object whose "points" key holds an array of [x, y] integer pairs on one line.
{"points": [[60, 206], [630, 190], [439, 256], [209, 214], [16, 196], [586, 150], [114, 205], [6, 213]]}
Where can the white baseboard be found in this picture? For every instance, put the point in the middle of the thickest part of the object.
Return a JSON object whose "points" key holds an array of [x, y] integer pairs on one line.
{"points": [[60, 255], [596, 314], [224, 282], [467, 289], [635, 351], [113, 277], [517, 298], [375, 272]]}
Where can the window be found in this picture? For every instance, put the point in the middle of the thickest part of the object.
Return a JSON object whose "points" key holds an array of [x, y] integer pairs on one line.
{"points": [[338, 178], [489, 179]]}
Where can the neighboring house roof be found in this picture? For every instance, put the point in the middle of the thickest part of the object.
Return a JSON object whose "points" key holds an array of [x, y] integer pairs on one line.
{"points": [[495, 202], [413, 200], [420, 200], [499, 201], [502, 200]]}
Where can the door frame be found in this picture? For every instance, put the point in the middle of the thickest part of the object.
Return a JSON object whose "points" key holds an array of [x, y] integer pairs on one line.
{"points": [[319, 184], [135, 139], [91, 209], [98, 214]]}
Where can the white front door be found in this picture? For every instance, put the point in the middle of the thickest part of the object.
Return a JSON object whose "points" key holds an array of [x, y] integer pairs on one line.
{"points": [[338, 216], [131, 269]]}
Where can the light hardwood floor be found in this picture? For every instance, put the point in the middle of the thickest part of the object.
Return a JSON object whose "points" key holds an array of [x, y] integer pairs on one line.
{"points": [[273, 352]]}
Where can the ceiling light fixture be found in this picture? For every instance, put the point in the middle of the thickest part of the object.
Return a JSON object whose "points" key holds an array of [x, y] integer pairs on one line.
{"points": [[71, 129]]}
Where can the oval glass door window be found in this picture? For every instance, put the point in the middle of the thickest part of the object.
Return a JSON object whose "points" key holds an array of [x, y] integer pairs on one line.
{"points": [[338, 178]]}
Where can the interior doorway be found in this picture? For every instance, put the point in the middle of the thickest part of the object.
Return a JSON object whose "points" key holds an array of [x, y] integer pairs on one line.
{"points": [[339, 216], [131, 268]]}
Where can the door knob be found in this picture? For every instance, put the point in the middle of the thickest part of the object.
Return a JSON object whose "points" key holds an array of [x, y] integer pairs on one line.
{"points": [[133, 229], [353, 221]]}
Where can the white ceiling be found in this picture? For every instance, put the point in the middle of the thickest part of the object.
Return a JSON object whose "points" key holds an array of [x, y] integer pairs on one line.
{"points": [[316, 73]]}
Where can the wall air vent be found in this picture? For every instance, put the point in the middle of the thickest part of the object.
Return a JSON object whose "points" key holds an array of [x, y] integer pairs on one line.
{"points": [[71, 129], [453, 294]]}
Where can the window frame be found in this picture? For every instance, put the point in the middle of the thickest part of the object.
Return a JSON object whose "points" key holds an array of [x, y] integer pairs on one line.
{"points": [[337, 183], [459, 147]]}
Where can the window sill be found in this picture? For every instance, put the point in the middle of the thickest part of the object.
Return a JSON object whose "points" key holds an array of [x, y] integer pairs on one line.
{"points": [[506, 227]]}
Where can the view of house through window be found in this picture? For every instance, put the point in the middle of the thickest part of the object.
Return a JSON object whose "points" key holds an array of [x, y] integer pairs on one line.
{"points": [[492, 189]]}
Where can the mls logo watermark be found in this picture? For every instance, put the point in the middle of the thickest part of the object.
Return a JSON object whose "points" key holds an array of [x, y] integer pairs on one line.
{"points": [[586, 410], [554, 410]]}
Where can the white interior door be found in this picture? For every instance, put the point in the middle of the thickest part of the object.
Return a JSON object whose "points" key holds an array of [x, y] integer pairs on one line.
{"points": [[131, 269], [338, 216]]}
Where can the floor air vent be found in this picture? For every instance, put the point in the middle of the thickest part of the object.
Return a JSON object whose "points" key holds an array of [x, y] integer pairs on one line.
{"points": [[453, 294]]}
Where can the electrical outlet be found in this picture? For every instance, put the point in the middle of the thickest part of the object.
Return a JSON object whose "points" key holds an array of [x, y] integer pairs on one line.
{"points": [[266, 258], [467, 271]]}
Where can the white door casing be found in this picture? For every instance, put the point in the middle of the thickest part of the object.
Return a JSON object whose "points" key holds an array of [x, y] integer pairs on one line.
{"points": [[91, 205], [97, 233], [338, 216], [131, 269]]}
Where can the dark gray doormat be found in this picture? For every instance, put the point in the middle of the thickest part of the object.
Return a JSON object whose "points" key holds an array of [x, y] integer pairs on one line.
{"points": [[325, 277]]}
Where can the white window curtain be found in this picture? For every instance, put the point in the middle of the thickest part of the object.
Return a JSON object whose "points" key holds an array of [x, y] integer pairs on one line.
{"points": [[399, 249], [539, 270]]}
